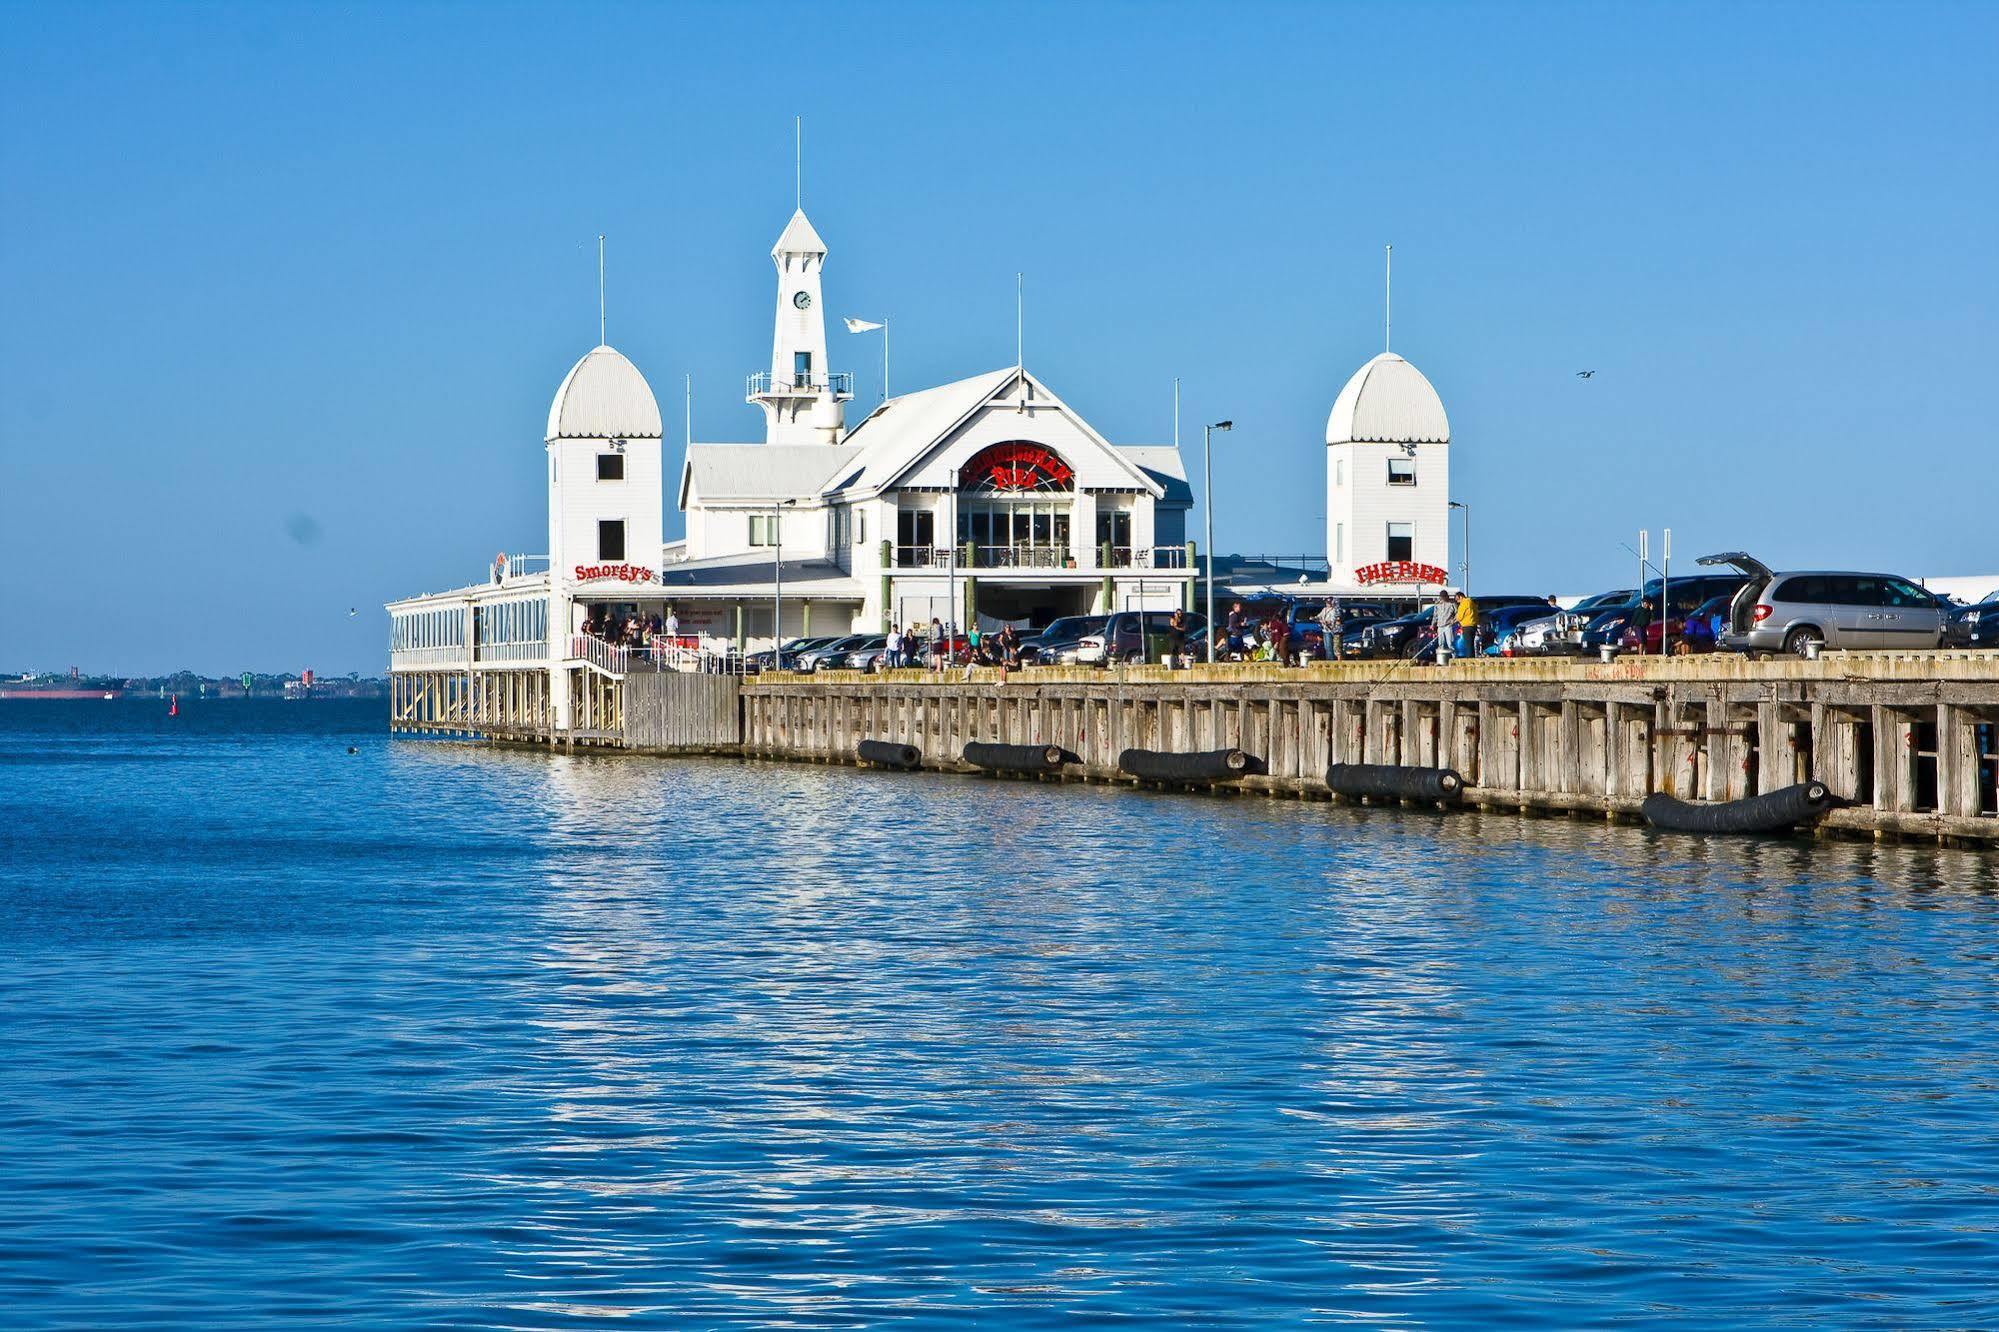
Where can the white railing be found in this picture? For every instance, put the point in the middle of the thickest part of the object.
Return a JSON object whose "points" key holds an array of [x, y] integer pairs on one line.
{"points": [[505, 566], [841, 382], [687, 655], [604, 656], [536, 650], [425, 658]]}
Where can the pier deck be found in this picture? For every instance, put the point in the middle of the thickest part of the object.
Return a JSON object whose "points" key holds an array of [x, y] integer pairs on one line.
{"points": [[1908, 741]]}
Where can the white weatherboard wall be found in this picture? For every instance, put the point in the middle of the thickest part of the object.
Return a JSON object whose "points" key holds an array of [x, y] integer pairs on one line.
{"points": [[1359, 495]]}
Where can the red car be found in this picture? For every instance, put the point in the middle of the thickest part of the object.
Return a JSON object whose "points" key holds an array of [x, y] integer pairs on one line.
{"points": [[1691, 634]]}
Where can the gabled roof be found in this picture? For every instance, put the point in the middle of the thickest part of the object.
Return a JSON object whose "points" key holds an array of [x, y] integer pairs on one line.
{"points": [[1162, 462], [724, 472], [603, 397], [899, 435], [799, 237], [1388, 402]]}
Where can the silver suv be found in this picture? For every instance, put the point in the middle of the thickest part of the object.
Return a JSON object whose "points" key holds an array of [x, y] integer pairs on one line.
{"points": [[1790, 612]]}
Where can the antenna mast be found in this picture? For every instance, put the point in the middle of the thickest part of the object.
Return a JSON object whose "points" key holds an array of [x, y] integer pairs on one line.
{"points": [[798, 163], [1019, 321], [1387, 293], [600, 291]]}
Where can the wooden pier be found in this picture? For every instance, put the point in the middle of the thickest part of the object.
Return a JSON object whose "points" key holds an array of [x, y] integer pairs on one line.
{"points": [[1908, 742]]}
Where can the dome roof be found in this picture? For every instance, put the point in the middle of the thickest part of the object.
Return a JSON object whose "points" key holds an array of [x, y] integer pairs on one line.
{"points": [[1388, 402], [603, 397]]}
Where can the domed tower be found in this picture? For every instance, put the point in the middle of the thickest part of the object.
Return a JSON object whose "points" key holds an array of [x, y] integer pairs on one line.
{"points": [[605, 485], [1388, 471]]}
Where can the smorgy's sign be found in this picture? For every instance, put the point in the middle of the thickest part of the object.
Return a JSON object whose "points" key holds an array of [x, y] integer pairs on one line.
{"points": [[623, 573]]}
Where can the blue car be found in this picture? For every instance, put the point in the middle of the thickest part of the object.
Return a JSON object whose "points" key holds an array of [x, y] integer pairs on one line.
{"points": [[1499, 627]]}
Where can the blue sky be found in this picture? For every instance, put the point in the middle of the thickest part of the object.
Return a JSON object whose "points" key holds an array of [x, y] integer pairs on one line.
{"points": [[286, 289]]}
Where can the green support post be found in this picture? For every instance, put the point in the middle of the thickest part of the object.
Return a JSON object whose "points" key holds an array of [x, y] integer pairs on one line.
{"points": [[1187, 588]]}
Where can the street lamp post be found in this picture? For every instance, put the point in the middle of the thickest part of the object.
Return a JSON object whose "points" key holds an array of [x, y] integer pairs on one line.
{"points": [[951, 577], [1464, 548], [777, 583], [1208, 519]]}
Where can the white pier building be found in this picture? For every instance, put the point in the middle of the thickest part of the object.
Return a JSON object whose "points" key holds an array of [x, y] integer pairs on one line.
{"points": [[985, 500]]}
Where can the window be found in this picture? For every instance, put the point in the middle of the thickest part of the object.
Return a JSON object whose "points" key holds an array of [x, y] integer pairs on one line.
{"points": [[1401, 471], [801, 367], [763, 530], [1401, 541], [1339, 471], [1339, 543], [610, 467], [914, 527], [611, 539], [1908, 596], [861, 527]]}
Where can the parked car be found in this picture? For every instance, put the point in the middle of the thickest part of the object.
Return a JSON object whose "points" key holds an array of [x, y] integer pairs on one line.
{"points": [[1399, 637], [1056, 645], [1790, 612], [791, 651], [1136, 636], [1686, 634], [1559, 634], [1308, 639], [1499, 627], [1976, 625], [1605, 629], [829, 654], [868, 656]]}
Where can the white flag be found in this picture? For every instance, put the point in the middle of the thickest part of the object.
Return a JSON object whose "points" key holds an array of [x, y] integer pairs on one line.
{"points": [[860, 326]]}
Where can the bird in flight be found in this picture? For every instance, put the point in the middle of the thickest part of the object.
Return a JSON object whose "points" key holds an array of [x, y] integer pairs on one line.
{"points": [[1584, 374]]}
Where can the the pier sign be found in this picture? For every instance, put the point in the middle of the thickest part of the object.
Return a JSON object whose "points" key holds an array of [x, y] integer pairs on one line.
{"points": [[1400, 571]]}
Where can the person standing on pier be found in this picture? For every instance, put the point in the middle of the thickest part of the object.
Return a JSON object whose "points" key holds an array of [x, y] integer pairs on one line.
{"points": [[1443, 621], [1330, 624], [1467, 625], [894, 652]]}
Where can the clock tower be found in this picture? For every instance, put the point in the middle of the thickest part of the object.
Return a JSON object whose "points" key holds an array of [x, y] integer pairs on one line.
{"points": [[801, 399]]}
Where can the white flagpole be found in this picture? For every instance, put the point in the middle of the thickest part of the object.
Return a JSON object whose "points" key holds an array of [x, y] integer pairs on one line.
{"points": [[690, 409], [600, 290], [1387, 294], [884, 358]]}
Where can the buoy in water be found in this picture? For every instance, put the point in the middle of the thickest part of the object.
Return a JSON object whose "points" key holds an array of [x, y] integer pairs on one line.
{"points": [[173, 706], [353, 749]]}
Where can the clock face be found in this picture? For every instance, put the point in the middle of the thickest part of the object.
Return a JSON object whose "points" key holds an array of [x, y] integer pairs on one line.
{"points": [[802, 299]]}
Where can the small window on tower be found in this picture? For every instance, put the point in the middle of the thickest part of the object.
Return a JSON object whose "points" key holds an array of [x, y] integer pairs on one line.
{"points": [[1401, 471], [611, 539], [1339, 471], [801, 369], [1401, 541], [610, 467]]}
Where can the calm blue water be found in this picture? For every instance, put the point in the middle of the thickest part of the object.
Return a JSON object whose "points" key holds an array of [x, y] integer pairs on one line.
{"points": [[428, 1036]]}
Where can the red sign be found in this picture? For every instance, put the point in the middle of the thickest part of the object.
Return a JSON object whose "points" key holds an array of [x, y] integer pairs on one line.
{"points": [[1400, 571], [1017, 465], [624, 573]]}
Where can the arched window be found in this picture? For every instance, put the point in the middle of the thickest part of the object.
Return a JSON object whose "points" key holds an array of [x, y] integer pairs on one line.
{"points": [[1017, 467]]}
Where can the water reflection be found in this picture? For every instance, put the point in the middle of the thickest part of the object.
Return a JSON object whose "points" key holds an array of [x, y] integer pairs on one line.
{"points": [[451, 1035]]}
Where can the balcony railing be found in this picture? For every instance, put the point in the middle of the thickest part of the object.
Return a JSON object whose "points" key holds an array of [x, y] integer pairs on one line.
{"points": [[534, 650], [1028, 556], [840, 382], [426, 658]]}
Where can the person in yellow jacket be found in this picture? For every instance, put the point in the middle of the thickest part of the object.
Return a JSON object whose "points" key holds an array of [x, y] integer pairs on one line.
{"points": [[1467, 625]]}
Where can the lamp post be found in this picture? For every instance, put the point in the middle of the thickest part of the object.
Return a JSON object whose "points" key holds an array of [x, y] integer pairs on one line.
{"points": [[1208, 519], [777, 583], [1464, 548], [951, 566]]}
